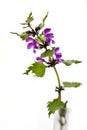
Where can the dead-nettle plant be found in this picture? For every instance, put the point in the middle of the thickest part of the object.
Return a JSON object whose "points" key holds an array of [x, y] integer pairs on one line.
{"points": [[40, 38]]}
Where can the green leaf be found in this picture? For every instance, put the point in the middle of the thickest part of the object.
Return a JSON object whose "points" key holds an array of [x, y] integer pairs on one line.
{"points": [[37, 39], [71, 84], [29, 18], [23, 36], [54, 105], [45, 17], [41, 25], [76, 61], [70, 62], [37, 68], [40, 38], [43, 21], [15, 33], [28, 70], [47, 53]]}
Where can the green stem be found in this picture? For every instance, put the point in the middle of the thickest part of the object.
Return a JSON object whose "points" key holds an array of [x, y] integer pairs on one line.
{"points": [[57, 76], [58, 79]]}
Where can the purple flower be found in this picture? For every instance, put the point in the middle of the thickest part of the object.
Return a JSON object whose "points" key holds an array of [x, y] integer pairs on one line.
{"points": [[58, 55], [32, 44], [40, 59], [49, 36], [47, 30]]}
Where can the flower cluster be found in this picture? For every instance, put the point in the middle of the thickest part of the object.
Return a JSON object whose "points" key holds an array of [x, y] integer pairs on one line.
{"points": [[48, 39], [55, 59], [48, 36], [32, 43]]}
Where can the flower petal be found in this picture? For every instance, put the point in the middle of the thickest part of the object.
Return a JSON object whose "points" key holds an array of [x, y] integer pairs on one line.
{"points": [[58, 55], [35, 44], [29, 45], [29, 39], [49, 35], [62, 60], [34, 51], [47, 30], [53, 42], [40, 59], [56, 50]]}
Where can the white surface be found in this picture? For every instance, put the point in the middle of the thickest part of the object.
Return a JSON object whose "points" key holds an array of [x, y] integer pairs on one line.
{"points": [[23, 98]]}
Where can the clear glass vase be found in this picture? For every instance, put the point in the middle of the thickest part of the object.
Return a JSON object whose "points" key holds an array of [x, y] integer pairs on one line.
{"points": [[61, 119]]}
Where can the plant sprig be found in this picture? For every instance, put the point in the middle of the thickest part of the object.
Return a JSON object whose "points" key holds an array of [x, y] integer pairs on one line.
{"points": [[41, 38]]}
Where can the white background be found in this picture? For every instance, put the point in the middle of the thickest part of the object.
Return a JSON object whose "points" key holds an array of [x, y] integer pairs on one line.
{"points": [[23, 98]]}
